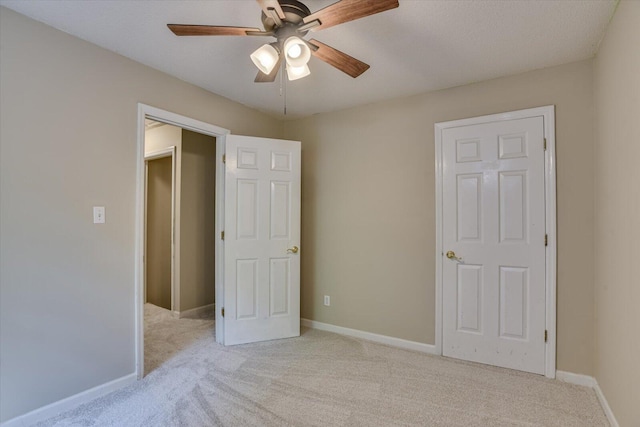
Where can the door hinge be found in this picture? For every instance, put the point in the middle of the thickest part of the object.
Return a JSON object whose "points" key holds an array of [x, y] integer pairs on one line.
{"points": [[224, 158], [545, 331], [546, 240], [545, 144], [223, 316], [222, 235]]}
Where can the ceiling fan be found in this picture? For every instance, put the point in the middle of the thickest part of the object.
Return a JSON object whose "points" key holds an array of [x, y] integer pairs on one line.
{"points": [[289, 21]]}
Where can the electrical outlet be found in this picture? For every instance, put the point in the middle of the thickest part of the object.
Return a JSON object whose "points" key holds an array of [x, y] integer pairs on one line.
{"points": [[327, 300]]}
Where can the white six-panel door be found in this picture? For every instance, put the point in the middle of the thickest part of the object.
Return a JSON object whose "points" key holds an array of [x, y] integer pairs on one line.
{"points": [[493, 243], [262, 239]]}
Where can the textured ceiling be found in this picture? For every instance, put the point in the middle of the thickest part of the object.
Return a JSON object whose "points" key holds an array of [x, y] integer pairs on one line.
{"points": [[420, 46]]}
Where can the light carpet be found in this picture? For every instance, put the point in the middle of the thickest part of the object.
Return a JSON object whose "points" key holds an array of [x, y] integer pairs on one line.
{"points": [[322, 379]]}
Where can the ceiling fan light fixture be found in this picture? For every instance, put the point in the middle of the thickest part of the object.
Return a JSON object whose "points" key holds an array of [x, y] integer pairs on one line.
{"points": [[265, 58], [295, 73], [288, 21], [296, 52]]}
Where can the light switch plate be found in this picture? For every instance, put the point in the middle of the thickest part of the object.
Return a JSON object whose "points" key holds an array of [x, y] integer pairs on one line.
{"points": [[98, 215]]}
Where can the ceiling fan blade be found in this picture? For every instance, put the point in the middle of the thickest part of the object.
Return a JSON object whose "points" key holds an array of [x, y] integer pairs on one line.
{"points": [[269, 5], [343, 62], [268, 78], [211, 30], [348, 10]]}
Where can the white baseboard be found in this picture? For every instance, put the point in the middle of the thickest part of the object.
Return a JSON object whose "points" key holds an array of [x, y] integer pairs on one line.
{"points": [[369, 336], [577, 379], [605, 405], [587, 381], [71, 402], [198, 311]]}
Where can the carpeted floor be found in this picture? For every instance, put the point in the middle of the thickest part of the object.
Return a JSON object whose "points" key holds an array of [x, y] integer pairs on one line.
{"points": [[322, 379]]}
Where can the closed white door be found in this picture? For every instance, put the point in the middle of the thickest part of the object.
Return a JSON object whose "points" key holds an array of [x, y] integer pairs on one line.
{"points": [[262, 239], [493, 236]]}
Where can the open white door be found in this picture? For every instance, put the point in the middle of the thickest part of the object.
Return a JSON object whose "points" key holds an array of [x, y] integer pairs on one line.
{"points": [[262, 239]]}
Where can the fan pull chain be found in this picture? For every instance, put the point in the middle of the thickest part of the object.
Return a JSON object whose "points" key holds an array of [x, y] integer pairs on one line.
{"points": [[283, 88], [280, 75]]}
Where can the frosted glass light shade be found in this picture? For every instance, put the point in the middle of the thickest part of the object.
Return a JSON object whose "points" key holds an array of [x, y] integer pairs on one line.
{"points": [[295, 73], [265, 58], [296, 52]]}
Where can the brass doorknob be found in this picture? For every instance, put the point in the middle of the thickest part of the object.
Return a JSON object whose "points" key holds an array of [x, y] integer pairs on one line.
{"points": [[452, 255], [293, 250]]}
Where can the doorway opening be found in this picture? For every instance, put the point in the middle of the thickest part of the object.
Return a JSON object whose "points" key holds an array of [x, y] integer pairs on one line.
{"points": [[179, 265], [180, 203]]}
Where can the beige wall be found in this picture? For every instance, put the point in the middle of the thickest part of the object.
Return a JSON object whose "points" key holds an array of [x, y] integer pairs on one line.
{"points": [[368, 205], [68, 142], [156, 139], [617, 214], [197, 220], [160, 137], [158, 232]]}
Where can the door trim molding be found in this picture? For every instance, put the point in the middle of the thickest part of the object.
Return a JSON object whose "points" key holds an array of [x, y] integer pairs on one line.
{"points": [[548, 115], [157, 114], [160, 154]]}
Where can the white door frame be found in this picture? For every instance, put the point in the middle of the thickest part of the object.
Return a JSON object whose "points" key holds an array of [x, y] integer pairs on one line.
{"points": [[548, 115], [175, 281], [149, 112]]}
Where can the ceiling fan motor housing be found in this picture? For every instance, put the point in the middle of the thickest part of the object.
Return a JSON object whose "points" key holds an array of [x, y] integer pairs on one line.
{"points": [[294, 12]]}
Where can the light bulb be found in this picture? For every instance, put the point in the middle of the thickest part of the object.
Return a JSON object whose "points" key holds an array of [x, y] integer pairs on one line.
{"points": [[297, 53], [265, 58], [294, 51], [295, 73]]}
